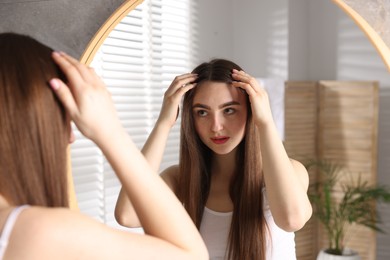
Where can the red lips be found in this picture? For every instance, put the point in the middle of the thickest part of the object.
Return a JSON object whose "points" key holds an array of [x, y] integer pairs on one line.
{"points": [[220, 139]]}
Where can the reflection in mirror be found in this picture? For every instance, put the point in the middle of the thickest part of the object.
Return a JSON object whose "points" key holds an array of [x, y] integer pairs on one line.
{"points": [[312, 42], [137, 61]]}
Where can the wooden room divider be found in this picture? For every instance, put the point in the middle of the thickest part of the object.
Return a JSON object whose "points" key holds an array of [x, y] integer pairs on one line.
{"points": [[333, 120]]}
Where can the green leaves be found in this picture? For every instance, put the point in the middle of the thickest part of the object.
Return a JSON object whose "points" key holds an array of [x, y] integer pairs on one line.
{"points": [[357, 204]]}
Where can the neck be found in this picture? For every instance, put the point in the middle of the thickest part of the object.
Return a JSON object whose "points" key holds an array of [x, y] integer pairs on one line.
{"points": [[223, 166]]}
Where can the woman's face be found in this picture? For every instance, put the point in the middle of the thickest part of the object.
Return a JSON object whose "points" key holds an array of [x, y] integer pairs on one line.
{"points": [[220, 114]]}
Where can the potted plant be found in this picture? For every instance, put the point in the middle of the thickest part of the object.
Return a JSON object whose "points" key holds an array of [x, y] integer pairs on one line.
{"points": [[356, 206]]}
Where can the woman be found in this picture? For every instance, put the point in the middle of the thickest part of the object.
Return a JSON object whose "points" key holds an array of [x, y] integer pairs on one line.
{"points": [[234, 176], [35, 222]]}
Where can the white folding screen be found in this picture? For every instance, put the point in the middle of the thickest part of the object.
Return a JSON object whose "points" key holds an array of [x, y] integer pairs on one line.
{"points": [[138, 61]]}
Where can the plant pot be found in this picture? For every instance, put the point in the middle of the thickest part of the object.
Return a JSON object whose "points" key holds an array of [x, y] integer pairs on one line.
{"points": [[348, 254]]}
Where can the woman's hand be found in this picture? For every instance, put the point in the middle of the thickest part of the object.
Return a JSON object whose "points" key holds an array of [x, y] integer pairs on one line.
{"points": [[170, 107], [257, 95], [85, 98]]}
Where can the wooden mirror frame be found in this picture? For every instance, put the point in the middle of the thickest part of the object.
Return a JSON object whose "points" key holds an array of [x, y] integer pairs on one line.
{"points": [[86, 58], [373, 36], [106, 28]]}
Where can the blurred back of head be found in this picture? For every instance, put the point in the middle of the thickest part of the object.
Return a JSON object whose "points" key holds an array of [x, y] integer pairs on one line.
{"points": [[34, 128]]}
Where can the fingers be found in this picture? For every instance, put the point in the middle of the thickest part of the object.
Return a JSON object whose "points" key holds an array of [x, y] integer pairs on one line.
{"points": [[68, 66], [85, 71], [75, 72], [245, 86], [172, 96], [183, 83], [184, 88], [246, 82], [64, 95]]}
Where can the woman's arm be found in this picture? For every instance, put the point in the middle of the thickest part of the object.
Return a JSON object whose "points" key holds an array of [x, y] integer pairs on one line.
{"points": [[286, 180], [153, 149], [90, 106], [63, 234]]}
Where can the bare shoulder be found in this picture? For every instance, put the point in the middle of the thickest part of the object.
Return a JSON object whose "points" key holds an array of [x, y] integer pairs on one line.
{"points": [[42, 232], [171, 177], [59, 233]]}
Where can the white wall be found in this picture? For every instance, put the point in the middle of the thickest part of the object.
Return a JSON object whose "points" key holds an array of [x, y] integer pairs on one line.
{"points": [[322, 39], [251, 33], [261, 37], [215, 29], [298, 48], [312, 40]]}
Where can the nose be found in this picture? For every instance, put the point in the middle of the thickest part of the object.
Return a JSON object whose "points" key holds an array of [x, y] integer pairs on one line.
{"points": [[217, 123]]}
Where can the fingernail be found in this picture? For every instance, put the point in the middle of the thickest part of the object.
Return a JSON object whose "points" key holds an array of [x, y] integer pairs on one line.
{"points": [[54, 84], [56, 53]]}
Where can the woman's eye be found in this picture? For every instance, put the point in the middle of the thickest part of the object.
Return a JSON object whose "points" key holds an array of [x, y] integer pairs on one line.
{"points": [[229, 111], [201, 113]]}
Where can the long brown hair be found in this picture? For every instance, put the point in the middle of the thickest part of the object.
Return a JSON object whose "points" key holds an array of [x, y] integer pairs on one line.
{"points": [[34, 129], [248, 227]]}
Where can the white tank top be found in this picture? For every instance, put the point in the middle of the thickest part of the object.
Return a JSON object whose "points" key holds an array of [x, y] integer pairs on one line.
{"points": [[7, 229], [215, 228]]}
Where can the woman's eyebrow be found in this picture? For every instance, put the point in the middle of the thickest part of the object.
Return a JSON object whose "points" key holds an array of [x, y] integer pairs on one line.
{"points": [[198, 105], [230, 103]]}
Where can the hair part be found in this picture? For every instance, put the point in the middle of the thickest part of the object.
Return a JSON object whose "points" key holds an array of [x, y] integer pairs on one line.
{"points": [[248, 227], [34, 128]]}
